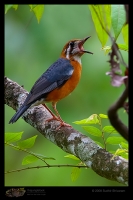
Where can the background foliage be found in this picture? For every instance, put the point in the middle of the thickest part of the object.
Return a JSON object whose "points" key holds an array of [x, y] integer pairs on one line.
{"points": [[30, 48]]}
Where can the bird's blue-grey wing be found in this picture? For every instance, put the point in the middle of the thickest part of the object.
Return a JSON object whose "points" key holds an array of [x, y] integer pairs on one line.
{"points": [[54, 77]]}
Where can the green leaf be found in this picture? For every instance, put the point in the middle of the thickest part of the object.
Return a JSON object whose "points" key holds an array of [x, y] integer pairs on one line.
{"points": [[93, 119], [123, 47], [13, 137], [72, 157], [125, 155], [121, 152], [115, 140], [15, 6], [109, 129], [7, 7], [100, 144], [118, 18], [103, 116], [29, 159], [38, 11], [124, 145], [112, 152], [75, 173], [33, 158], [106, 49], [32, 6], [125, 34], [28, 143], [101, 16], [93, 130]]}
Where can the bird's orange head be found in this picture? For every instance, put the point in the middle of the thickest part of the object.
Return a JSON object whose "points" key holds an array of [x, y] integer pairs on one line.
{"points": [[74, 49]]}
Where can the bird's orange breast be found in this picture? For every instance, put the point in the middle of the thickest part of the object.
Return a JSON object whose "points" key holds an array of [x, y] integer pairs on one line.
{"points": [[68, 87]]}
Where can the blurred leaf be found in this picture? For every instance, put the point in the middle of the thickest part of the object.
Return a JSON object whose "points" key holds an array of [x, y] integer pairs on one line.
{"points": [[118, 18], [29, 159], [72, 157], [123, 47], [32, 6], [15, 6], [112, 151], [7, 7], [101, 16], [13, 137], [75, 173], [38, 11], [125, 155], [124, 145], [83, 121], [115, 140], [100, 144], [91, 120], [106, 49], [109, 129], [93, 130], [103, 116], [121, 152], [28, 143], [125, 34]]}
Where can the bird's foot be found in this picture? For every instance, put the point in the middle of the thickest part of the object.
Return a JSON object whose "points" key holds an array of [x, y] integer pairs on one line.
{"points": [[62, 123]]}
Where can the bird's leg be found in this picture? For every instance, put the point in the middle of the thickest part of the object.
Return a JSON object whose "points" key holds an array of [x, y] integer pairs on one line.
{"points": [[56, 111], [58, 118], [53, 116]]}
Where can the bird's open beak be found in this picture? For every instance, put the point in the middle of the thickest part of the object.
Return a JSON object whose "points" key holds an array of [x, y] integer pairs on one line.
{"points": [[81, 45]]}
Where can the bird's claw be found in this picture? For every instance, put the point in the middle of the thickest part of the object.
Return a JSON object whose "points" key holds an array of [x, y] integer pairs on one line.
{"points": [[62, 123]]}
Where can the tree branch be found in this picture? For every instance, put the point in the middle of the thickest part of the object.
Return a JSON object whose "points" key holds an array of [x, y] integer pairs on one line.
{"points": [[68, 139], [113, 116]]}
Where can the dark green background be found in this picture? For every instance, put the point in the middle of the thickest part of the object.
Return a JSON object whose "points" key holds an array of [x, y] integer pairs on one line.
{"points": [[30, 48]]}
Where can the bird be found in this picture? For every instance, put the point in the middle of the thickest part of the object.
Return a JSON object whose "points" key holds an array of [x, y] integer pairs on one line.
{"points": [[57, 82]]}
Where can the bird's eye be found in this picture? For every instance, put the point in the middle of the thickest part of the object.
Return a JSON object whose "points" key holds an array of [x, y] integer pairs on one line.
{"points": [[72, 44]]}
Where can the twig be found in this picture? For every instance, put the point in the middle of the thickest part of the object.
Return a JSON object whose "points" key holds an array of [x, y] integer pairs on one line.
{"points": [[44, 166]]}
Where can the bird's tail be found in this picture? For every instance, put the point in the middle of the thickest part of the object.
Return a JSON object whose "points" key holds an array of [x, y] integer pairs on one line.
{"points": [[18, 114]]}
